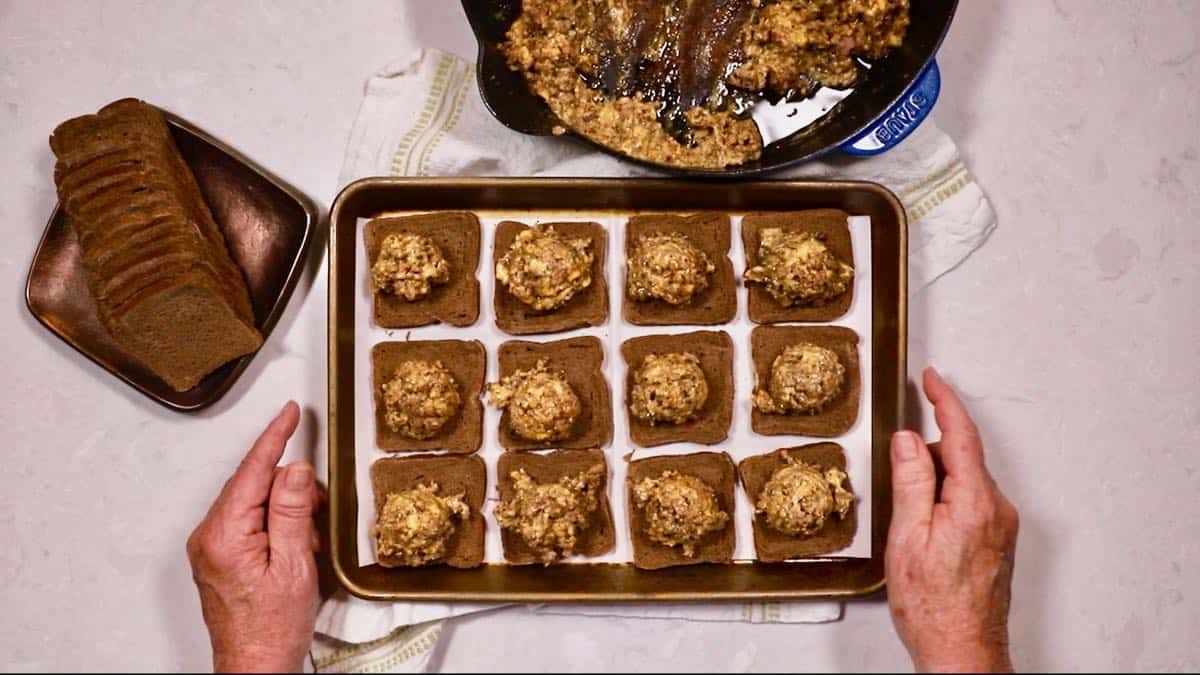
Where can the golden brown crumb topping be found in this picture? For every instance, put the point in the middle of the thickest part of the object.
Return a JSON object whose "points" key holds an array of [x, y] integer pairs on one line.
{"points": [[420, 398], [549, 517], [544, 269], [668, 267], [541, 404], [804, 378], [679, 510], [415, 525], [799, 498], [668, 388], [797, 268], [408, 266]]}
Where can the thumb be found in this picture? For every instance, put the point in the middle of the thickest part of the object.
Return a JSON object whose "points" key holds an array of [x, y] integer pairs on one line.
{"points": [[290, 512], [914, 486]]}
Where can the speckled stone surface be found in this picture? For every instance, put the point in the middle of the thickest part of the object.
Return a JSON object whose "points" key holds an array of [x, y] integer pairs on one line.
{"points": [[1073, 334]]}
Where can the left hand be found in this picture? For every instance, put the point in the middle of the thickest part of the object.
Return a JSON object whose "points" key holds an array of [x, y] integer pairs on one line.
{"points": [[253, 559]]}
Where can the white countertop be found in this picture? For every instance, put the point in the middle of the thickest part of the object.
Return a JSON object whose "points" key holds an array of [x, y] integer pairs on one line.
{"points": [[1073, 333]]}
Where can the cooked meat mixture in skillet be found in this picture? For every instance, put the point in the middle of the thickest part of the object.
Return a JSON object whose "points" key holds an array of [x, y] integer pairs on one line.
{"points": [[671, 81]]}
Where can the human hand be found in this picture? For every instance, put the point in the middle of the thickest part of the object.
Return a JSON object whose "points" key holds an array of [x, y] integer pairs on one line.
{"points": [[949, 558], [253, 559]]}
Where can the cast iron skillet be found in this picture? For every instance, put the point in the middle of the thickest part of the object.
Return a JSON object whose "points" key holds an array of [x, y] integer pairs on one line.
{"points": [[887, 104]]}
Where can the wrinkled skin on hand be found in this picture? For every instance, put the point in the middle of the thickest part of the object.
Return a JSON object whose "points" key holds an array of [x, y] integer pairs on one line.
{"points": [[253, 559], [950, 550]]}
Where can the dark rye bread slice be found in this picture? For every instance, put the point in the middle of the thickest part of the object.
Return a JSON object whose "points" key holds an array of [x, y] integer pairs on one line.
{"points": [[715, 469], [131, 267], [588, 307], [597, 538], [92, 205], [715, 351], [83, 186], [145, 287], [146, 241], [715, 304], [132, 123], [180, 306], [454, 475], [161, 264], [90, 227], [73, 176], [467, 362], [136, 213], [774, 546], [455, 302], [124, 261], [166, 330], [831, 224], [581, 360], [767, 342], [88, 139], [173, 267]]}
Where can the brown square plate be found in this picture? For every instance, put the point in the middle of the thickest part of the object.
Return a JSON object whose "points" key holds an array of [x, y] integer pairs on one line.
{"points": [[267, 223], [547, 199]]}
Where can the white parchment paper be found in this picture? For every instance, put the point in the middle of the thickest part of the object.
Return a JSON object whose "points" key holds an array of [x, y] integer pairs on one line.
{"points": [[741, 443]]}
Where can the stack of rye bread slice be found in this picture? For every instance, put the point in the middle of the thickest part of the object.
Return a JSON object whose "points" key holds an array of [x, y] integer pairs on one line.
{"points": [[157, 264]]}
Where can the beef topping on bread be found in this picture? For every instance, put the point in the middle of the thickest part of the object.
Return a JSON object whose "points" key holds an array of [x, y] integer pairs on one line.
{"points": [[415, 525]]}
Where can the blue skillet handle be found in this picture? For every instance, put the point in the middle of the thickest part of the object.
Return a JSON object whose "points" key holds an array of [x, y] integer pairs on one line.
{"points": [[900, 121]]}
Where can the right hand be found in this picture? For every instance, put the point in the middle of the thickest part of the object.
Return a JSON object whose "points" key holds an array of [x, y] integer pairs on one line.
{"points": [[253, 559], [949, 560]]}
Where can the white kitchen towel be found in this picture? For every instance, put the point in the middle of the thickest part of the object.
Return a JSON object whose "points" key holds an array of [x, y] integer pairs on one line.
{"points": [[424, 117]]}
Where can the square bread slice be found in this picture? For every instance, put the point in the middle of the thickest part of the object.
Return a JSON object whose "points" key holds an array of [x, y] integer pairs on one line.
{"points": [[453, 475], [774, 546], [598, 538], [714, 468], [467, 362], [716, 304], [455, 302], [831, 224], [767, 342], [163, 329], [715, 351], [581, 360], [588, 307]]}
